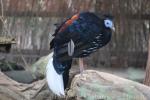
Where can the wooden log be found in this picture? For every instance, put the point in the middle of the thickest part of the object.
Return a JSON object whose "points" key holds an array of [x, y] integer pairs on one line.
{"points": [[94, 85], [91, 85]]}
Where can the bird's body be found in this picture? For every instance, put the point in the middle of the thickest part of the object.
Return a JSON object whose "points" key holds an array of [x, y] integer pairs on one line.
{"points": [[78, 37], [86, 31]]}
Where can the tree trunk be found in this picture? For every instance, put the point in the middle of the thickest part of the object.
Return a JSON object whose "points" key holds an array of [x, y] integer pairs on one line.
{"points": [[147, 77], [91, 85], [1, 27], [95, 85]]}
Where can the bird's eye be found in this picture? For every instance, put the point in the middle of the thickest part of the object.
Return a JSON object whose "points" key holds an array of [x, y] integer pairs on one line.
{"points": [[108, 23]]}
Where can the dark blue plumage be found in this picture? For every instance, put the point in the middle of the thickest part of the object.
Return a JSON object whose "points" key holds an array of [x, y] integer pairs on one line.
{"points": [[87, 33]]}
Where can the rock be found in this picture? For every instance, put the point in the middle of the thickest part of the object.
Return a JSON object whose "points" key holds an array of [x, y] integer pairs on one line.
{"points": [[94, 85], [21, 76], [39, 67]]}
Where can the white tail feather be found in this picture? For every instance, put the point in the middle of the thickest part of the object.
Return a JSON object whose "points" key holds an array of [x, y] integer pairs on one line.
{"points": [[55, 81]]}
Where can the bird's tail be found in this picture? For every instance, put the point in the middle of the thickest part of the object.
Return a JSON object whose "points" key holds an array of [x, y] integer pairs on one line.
{"points": [[56, 81]]}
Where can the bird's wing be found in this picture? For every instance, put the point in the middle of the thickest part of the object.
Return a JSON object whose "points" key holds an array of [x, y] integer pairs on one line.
{"points": [[81, 29], [62, 34], [71, 46]]}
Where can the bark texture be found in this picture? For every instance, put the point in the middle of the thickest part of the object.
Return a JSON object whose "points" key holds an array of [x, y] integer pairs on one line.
{"points": [[147, 77], [91, 85], [94, 85]]}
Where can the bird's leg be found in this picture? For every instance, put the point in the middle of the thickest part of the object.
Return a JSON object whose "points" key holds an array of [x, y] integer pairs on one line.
{"points": [[81, 65]]}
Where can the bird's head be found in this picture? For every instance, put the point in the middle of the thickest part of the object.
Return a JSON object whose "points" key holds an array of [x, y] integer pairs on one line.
{"points": [[108, 22]]}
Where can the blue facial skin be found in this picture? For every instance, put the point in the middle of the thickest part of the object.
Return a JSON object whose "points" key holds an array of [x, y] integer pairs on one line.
{"points": [[108, 23]]}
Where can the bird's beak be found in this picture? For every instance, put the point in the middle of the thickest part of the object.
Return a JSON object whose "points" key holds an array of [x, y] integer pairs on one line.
{"points": [[113, 28]]}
